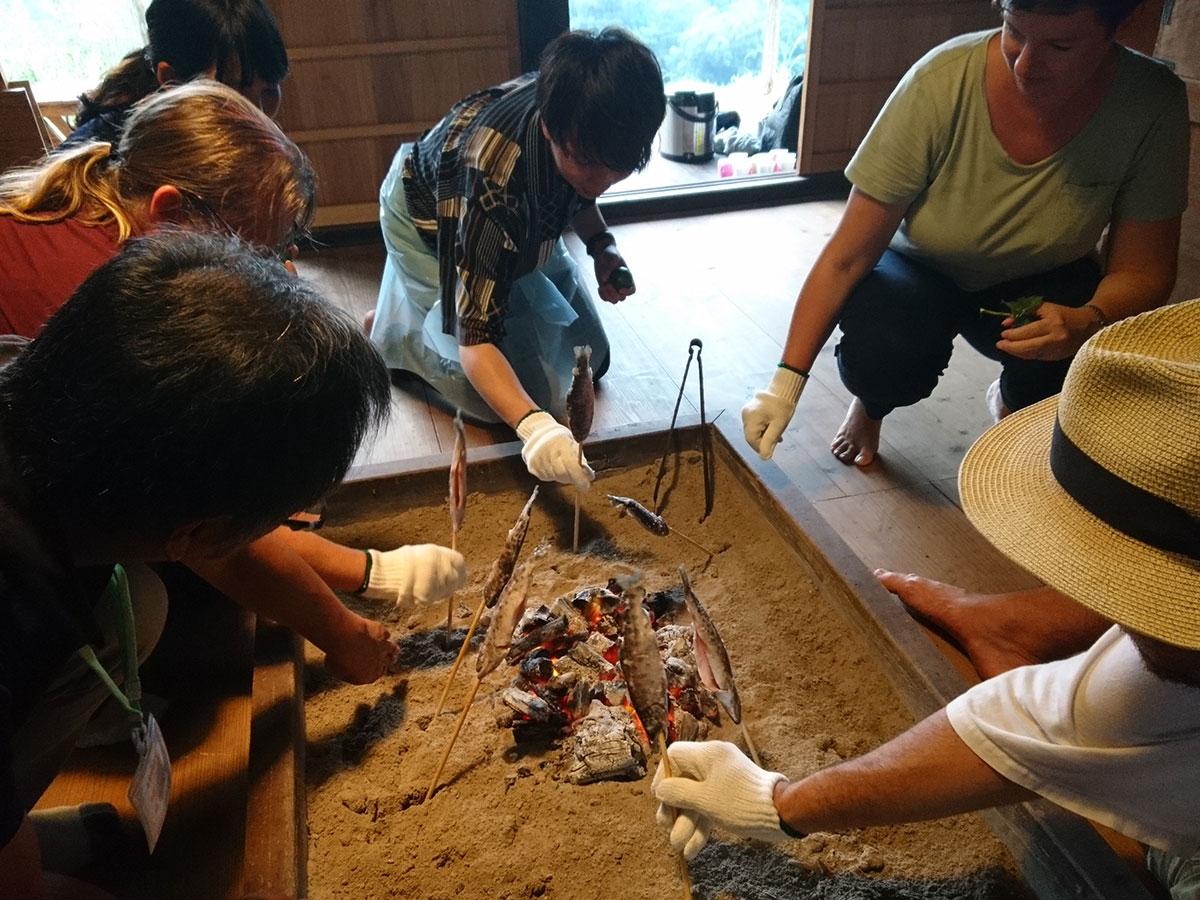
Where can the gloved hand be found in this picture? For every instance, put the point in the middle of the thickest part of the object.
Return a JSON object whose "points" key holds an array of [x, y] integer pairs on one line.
{"points": [[550, 453], [715, 784], [765, 417], [415, 573]]}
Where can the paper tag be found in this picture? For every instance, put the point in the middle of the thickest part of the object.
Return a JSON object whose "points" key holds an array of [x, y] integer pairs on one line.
{"points": [[151, 786]]}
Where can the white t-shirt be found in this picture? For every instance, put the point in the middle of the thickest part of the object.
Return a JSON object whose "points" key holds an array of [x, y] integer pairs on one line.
{"points": [[1097, 734]]}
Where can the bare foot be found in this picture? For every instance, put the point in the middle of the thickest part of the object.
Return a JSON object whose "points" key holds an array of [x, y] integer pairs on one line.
{"points": [[369, 321], [999, 632], [857, 441]]}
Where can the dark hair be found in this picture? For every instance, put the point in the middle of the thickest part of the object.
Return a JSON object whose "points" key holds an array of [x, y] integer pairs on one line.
{"points": [[602, 94], [1110, 13], [192, 35], [190, 378]]}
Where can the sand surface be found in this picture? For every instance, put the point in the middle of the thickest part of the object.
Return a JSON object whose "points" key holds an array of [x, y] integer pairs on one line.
{"points": [[506, 824]]}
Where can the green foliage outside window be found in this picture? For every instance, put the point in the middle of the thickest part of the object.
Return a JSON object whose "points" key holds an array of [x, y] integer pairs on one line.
{"points": [[713, 42], [67, 45]]}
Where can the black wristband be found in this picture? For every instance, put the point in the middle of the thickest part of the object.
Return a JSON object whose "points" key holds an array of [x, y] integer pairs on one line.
{"points": [[591, 245], [799, 372], [789, 830], [366, 575]]}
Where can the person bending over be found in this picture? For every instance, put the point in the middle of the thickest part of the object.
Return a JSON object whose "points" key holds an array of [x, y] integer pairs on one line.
{"points": [[198, 157], [235, 42], [989, 176], [480, 298], [1112, 733]]}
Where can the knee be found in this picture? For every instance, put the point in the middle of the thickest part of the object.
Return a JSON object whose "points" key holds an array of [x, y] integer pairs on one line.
{"points": [[148, 597]]}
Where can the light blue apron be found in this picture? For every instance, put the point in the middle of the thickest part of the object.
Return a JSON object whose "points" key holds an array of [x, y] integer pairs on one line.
{"points": [[549, 313]]}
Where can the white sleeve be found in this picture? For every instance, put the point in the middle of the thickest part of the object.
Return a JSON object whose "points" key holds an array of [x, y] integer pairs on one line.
{"points": [[1097, 734]]}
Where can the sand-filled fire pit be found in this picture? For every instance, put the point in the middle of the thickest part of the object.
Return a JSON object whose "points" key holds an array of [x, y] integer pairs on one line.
{"points": [[517, 813]]}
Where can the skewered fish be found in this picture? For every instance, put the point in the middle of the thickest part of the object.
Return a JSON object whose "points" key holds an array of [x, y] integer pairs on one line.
{"points": [[504, 622], [648, 520], [458, 476], [503, 566], [641, 664], [581, 398], [712, 661]]}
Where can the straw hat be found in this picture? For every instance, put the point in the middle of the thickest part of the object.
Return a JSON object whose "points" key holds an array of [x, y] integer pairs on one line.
{"points": [[1097, 491]]}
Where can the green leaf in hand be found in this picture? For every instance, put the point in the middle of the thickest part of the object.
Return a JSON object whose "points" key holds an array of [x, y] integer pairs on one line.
{"points": [[1021, 310]]}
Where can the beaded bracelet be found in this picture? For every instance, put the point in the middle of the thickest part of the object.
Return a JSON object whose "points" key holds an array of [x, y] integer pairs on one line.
{"points": [[1101, 319]]}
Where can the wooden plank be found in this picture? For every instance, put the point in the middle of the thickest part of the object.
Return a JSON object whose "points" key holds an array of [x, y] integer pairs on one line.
{"points": [[941, 543], [274, 861], [419, 47], [204, 668]]}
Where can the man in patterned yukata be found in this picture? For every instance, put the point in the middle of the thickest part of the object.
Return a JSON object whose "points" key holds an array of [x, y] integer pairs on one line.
{"points": [[480, 298]]}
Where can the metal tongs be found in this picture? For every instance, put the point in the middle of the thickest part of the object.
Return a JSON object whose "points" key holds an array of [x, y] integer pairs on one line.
{"points": [[695, 348]]}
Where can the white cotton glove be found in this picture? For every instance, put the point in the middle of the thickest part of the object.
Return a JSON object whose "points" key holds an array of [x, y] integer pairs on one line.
{"points": [[415, 573], [715, 784], [765, 417], [551, 453]]}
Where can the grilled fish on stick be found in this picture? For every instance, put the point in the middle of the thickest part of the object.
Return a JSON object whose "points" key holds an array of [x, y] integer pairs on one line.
{"points": [[641, 663]]}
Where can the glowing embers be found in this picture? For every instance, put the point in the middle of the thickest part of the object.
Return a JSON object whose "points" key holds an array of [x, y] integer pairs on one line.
{"points": [[569, 683]]}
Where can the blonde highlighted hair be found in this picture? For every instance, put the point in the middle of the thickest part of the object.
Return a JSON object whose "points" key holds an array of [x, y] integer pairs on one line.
{"points": [[232, 164]]}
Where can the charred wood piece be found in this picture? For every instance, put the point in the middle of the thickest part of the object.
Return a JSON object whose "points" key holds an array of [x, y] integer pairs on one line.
{"points": [[607, 746], [541, 635]]}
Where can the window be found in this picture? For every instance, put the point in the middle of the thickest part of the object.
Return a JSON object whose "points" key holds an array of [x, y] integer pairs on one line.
{"points": [[718, 44], [64, 47]]}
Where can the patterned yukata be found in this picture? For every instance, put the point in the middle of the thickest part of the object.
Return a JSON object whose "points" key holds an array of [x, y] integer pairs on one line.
{"points": [[472, 216]]}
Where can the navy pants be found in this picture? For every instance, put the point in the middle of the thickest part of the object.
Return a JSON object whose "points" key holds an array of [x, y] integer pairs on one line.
{"points": [[899, 324]]}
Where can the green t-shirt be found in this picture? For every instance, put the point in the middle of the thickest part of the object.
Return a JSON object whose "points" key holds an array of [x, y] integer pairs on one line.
{"points": [[980, 218]]}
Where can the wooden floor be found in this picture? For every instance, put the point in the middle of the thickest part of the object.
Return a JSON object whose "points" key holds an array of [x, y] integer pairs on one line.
{"points": [[730, 279]]}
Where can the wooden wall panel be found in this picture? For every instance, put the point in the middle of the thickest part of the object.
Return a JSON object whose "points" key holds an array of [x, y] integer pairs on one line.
{"points": [[367, 75], [857, 52]]}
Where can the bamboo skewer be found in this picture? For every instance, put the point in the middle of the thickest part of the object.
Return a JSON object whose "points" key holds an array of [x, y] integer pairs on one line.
{"points": [[692, 541], [450, 599], [462, 651], [457, 728], [578, 494], [750, 744], [683, 866]]}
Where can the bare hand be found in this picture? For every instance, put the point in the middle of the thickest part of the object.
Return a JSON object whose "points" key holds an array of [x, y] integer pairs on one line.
{"points": [[1058, 333], [363, 655], [608, 261]]}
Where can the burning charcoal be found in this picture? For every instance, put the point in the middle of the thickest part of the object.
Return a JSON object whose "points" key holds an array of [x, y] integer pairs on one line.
{"points": [[579, 698], [688, 700], [600, 643], [534, 618], [688, 727], [680, 676], [606, 746], [537, 668], [538, 733], [609, 626], [675, 640], [559, 685], [529, 705], [585, 656], [662, 604], [614, 693], [576, 623], [544, 634]]}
